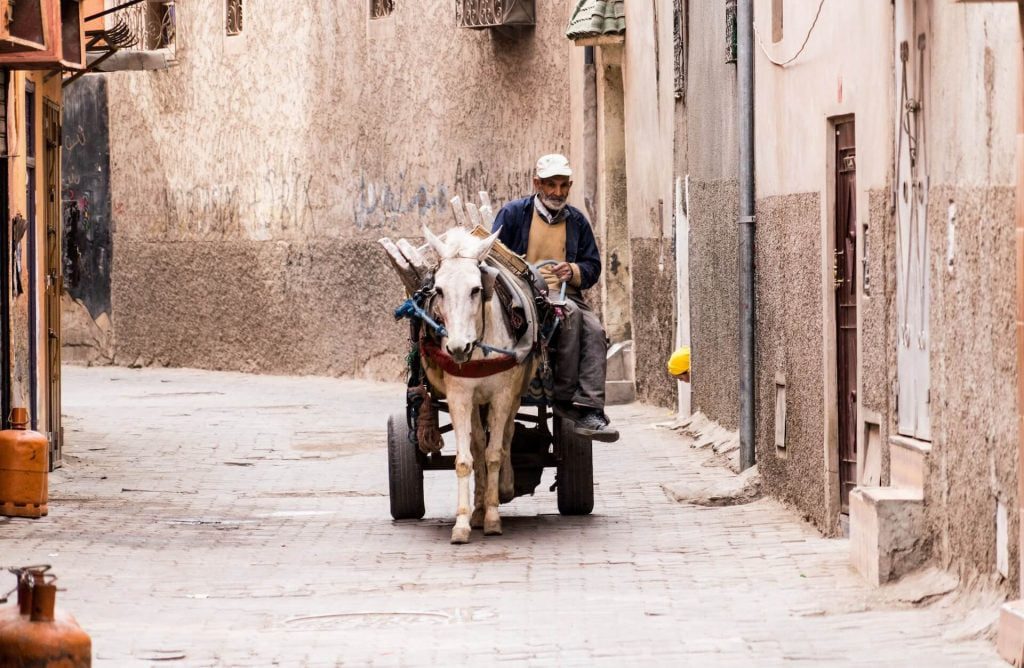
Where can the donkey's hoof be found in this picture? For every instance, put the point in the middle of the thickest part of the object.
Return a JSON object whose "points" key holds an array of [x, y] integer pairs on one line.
{"points": [[477, 520], [460, 535], [492, 526]]}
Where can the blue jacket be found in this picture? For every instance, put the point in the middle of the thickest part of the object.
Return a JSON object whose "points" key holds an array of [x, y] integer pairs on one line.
{"points": [[515, 219]]}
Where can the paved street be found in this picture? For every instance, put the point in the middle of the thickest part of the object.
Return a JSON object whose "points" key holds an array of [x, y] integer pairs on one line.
{"points": [[220, 519]]}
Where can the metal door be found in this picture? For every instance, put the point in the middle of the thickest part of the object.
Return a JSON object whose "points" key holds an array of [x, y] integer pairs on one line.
{"points": [[54, 277], [845, 284], [912, 280]]}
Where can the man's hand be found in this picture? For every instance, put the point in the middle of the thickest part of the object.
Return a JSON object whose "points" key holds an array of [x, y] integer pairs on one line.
{"points": [[563, 271]]}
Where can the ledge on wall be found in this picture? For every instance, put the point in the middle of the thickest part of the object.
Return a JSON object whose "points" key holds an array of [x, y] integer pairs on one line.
{"points": [[127, 60], [601, 40]]}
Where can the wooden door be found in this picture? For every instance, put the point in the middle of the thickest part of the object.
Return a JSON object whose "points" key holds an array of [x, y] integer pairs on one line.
{"points": [[845, 283], [54, 277], [912, 279]]}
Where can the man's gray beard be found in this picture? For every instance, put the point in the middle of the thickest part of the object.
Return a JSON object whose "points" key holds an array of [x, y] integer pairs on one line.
{"points": [[553, 206]]}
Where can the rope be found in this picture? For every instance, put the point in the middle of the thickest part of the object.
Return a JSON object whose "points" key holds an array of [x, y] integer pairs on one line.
{"points": [[796, 55]]}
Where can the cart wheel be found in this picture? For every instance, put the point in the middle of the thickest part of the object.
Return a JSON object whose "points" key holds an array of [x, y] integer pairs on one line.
{"points": [[575, 470], [405, 474]]}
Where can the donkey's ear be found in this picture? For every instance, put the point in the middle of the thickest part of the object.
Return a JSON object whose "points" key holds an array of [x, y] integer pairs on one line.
{"points": [[488, 276], [440, 247], [486, 245]]}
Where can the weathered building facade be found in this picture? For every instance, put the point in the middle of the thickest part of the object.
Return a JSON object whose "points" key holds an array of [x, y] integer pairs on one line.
{"points": [[250, 181], [884, 317], [43, 43]]}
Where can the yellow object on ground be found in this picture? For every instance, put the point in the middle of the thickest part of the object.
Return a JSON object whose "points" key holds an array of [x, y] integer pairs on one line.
{"points": [[680, 361]]}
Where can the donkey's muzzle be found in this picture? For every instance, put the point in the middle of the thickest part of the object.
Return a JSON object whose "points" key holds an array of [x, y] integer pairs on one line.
{"points": [[459, 352]]}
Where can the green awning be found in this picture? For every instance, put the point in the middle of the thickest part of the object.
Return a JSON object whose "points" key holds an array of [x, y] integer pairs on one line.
{"points": [[594, 18]]}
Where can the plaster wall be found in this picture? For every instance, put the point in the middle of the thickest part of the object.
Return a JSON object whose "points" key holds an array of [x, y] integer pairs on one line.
{"points": [[650, 117], [250, 181], [971, 125], [844, 70], [788, 289], [712, 153]]}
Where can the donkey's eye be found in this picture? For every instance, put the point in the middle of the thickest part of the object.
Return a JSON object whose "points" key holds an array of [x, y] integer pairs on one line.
{"points": [[439, 292], [474, 292]]}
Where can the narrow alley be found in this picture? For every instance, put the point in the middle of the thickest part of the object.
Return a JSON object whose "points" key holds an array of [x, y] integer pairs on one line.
{"points": [[208, 519]]}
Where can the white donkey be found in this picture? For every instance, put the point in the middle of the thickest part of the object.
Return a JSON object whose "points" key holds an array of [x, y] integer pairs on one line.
{"points": [[472, 316]]}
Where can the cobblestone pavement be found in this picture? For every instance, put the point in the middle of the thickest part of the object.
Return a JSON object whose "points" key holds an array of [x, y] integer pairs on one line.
{"points": [[218, 519]]}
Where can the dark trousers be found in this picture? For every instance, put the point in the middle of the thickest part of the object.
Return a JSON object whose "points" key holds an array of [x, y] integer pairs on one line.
{"points": [[579, 359]]}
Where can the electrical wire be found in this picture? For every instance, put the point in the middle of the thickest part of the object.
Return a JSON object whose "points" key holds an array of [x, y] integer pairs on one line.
{"points": [[796, 55]]}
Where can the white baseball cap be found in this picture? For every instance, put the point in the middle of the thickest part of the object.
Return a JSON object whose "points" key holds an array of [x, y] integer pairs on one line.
{"points": [[553, 165]]}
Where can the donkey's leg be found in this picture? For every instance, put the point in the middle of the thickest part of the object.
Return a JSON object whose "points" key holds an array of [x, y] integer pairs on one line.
{"points": [[496, 421], [506, 480], [459, 407], [479, 470]]}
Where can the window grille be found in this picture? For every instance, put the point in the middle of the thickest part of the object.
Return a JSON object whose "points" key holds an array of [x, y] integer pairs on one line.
{"points": [[679, 24], [381, 8], [152, 24], [494, 13], [233, 20]]}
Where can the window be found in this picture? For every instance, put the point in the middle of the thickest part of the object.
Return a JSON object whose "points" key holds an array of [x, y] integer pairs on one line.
{"points": [[381, 8], [679, 47], [777, 20], [233, 18]]}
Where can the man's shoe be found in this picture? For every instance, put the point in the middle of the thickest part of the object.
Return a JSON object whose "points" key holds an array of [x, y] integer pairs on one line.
{"points": [[594, 425]]}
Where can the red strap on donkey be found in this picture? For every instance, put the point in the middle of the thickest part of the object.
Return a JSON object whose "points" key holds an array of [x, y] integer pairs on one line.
{"points": [[429, 349]]}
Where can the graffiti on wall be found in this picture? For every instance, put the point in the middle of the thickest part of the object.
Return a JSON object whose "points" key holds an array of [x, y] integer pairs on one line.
{"points": [[379, 203], [382, 203], [276, 204]]}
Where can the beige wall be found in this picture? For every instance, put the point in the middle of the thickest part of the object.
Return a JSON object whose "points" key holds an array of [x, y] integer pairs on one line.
{"points": [[250, 181], [712, 155], [968, 137], [650, 119], [845, 69], [971, 126]]}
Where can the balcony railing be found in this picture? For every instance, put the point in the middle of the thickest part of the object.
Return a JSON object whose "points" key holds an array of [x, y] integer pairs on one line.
{"points": [[494, 13], [152, 24]]}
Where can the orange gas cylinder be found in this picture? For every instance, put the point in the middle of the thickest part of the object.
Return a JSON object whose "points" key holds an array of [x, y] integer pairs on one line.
{"points": [[25, 575], [23, 469], [44, 638]]}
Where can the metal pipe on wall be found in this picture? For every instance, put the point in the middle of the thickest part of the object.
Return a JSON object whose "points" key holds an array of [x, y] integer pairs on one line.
{"points": [[747, 221], [1019, 240]]}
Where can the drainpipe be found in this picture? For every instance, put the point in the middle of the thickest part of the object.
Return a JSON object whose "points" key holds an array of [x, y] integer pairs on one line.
{"points": [[1019, 233], [745, 76]]}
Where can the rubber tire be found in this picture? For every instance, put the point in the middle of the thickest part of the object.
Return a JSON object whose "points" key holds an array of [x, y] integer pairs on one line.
{"points": [[405, 474], [575, 471]]}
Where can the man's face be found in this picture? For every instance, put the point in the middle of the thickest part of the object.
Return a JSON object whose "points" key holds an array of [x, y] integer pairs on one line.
{"points": [[553, 191]]}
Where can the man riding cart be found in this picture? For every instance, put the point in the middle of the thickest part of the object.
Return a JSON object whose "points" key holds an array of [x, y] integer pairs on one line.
{"points": [[544, 227]]}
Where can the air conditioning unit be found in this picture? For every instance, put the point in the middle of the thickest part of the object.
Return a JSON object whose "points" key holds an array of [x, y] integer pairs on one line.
{"points": [[21, 26], [41, 34]]}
